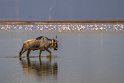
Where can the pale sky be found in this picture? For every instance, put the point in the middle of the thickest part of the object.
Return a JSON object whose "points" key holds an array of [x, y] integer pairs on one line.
{"points": [[37, 10]]}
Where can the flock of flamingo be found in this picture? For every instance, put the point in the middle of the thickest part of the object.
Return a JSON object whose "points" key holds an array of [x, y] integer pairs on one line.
{"points": [[65, 27]]}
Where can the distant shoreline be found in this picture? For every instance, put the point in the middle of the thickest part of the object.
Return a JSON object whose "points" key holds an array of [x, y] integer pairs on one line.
{"points": [[63, 22]]}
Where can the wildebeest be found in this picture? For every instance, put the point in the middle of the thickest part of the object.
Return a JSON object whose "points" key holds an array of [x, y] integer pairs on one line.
{"points": [[41, 43]]}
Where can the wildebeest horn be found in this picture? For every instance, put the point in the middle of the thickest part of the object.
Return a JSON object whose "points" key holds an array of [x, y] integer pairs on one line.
{"points": [[52, 42], [56, 37]]}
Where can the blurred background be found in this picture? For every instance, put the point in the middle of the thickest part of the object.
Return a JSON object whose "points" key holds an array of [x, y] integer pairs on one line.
{"points": [[37, 10]]}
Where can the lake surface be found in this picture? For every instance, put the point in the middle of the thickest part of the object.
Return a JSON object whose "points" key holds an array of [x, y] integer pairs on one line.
{"points": [[83, 57]]}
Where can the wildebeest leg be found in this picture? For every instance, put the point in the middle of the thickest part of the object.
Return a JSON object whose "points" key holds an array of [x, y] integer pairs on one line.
{"points": [[40, 62], [21, 52], [48, 51], [28, 62], [40, 53], [28, 52]]}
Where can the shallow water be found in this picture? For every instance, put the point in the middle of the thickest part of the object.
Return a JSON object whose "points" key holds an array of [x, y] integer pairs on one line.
{"points": [[84, 57]]}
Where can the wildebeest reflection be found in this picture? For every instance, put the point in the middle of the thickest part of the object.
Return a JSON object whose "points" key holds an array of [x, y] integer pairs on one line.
{"points": [[40, 68], [40, 43]]}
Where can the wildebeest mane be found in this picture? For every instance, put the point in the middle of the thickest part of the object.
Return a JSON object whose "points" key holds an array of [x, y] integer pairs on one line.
{"points": [[38, 38]]}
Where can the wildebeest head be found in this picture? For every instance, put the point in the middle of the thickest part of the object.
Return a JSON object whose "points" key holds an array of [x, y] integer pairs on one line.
{"points": [[54, 44]]}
